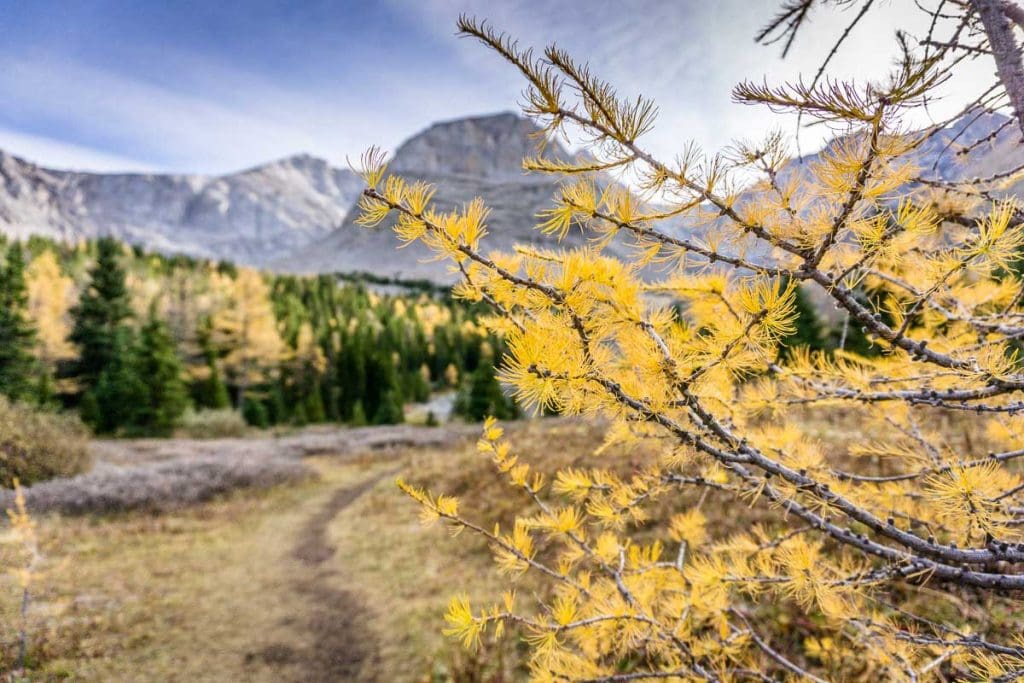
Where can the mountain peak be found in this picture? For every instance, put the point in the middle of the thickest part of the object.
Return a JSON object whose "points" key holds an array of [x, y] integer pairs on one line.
{"points": [[302, 161], [490, 146]]}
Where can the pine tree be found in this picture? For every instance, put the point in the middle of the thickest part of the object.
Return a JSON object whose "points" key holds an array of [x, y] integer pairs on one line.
{"points": [[278, 409], [101, 313], [116, 400], [18, 367], [482, 396], [351, 374], [389, 410], [307, 366], [255, 413], [417, 384], [159, 370], [209, 391], [313, 402], [808, 331], [383, 389], [358, 415]]}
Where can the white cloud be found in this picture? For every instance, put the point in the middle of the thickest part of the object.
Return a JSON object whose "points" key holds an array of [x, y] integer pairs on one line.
{"points": [[227, 120], [142, 120], [688, 54], [63, 155], [197, 114]]}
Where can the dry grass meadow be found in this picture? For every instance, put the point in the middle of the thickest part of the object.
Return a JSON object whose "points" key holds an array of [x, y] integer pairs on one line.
{"points": [[331, 578]]}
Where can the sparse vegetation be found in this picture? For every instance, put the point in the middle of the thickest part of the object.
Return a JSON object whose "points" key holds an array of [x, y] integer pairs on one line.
{"points": [[159, 486], [269, 593], [212, 424]]}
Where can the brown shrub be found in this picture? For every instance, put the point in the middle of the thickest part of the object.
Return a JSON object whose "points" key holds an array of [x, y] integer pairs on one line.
{"points": [[36, 446]]}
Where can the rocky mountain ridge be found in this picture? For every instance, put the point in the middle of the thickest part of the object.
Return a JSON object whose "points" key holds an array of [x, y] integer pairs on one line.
{"points": [[253, 216], [463, 159], [297, 214]]}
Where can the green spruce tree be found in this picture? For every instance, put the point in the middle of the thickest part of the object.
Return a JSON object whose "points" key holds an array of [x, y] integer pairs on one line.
{"points": [[160, 371], [482, 396], [255, 412], [389, 410], [358, 415], [101, 314], [211, 391], [18, 367], [809, 330], [115, 401], [313, 402]]}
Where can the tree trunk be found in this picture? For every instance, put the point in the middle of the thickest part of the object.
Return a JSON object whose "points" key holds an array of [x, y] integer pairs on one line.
{"points": [[995, 17]]}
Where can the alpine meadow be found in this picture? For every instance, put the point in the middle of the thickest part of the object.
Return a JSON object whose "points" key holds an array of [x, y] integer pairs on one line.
{"points": [[560, 395]]}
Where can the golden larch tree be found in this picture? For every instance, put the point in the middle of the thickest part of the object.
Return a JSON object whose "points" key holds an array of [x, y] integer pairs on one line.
{"points": [[894, 552], [247, 329], [50, 294]]}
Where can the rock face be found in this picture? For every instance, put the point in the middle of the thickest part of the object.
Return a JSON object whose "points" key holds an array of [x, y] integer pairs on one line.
{"points": [[253, 217], [482, 157], [298, 214], [484, 147], [464, 159]]}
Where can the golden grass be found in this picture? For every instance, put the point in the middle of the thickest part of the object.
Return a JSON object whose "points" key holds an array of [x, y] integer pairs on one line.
{"points": [[265, 586], [185, 596], [221, 591], [217, 592], [406, 574]]}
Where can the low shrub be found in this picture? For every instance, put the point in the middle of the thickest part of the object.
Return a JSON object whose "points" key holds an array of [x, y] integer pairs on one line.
{"points": [[36, 446], [158, 486], [213, 424]]}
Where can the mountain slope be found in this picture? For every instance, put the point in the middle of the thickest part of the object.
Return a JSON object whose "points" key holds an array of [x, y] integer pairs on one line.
{"points": [[297, 214], [464, 159], [252, 217]]}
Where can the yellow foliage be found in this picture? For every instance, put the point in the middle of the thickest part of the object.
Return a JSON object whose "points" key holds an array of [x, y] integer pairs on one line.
{"points": [[49, 301], [691, 358], [248, 328]]}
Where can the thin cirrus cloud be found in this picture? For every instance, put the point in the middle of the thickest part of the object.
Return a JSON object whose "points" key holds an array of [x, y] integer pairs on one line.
{"points": [[688, 55], [121, 117], [68, 155], [211, 88]]}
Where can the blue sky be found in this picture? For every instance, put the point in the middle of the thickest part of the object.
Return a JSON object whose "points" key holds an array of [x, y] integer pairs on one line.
{"points": [[211, 87]]}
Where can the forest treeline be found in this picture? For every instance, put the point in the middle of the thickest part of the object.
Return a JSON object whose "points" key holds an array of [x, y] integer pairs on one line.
{"points": [[131, 340]]}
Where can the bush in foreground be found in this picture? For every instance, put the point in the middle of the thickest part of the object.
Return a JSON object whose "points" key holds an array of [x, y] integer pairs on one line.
{"points": [[36, 446]]}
